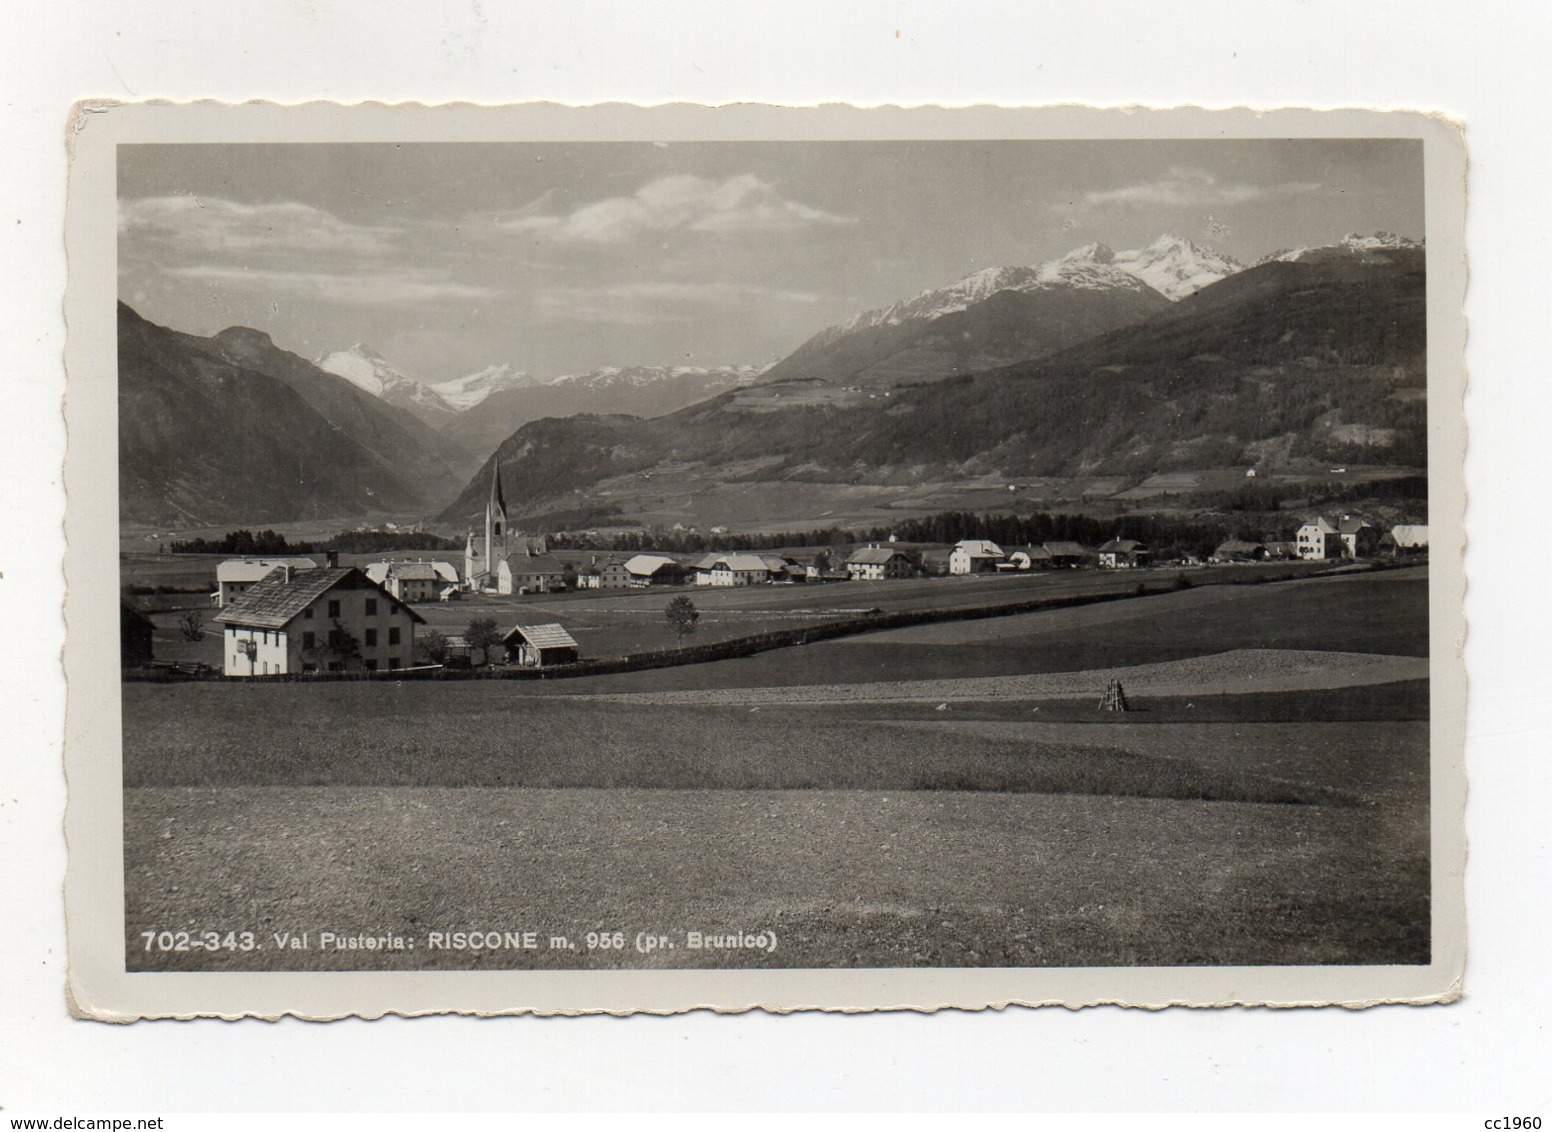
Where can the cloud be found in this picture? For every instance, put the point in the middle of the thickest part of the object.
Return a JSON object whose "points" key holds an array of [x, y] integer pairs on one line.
{"points": [[363, 288], [211, 224], [1191, 188], [635, 304], [739, 205]]}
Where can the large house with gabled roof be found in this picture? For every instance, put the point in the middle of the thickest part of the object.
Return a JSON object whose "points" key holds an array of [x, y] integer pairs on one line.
{"points": [[876, 563], [323, 620]]}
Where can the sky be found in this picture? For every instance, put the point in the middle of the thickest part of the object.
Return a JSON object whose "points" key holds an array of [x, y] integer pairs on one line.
{"points": [[563, 257]]}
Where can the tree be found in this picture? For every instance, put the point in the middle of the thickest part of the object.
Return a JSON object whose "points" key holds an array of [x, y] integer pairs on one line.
{"points": [[483, 635], [431, 647], [682, 617], [192, 624]]}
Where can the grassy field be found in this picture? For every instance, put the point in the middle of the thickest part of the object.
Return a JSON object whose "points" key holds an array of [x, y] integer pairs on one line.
{"points": [[1268, 828], [1385, 613], [862, 836], [612, 623]]}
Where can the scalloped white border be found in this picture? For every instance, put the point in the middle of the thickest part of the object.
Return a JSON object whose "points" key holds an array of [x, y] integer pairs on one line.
{"points": [[100, 989]]}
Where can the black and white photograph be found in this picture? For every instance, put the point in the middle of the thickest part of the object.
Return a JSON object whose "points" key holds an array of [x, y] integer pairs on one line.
{"points": [[782, 554]]}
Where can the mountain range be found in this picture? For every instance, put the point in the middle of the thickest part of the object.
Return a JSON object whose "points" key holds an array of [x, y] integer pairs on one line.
{"points": [[1166, 357], [1002, 315], [1317, 357]]}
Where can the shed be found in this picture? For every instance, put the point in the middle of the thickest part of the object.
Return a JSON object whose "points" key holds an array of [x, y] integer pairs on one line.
{"points": [[540, 646]]}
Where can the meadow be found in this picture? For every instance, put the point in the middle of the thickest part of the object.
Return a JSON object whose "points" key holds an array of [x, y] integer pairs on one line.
{"points": [[1264, 828]]}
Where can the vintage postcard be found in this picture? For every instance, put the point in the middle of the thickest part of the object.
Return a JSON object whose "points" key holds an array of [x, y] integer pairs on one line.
{"points": [[565, 560]]}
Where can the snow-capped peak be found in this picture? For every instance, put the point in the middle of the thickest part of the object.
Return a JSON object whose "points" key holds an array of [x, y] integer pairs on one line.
{"points": [[366, 369], [1351, 245], [463, 393], [1177, 267], [362, 366], [1378, 240]]}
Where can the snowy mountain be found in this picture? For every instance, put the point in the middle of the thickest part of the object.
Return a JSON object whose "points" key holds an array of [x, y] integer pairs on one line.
{"points": [[1176, 267], [1350, 246], [368, 370], [463, 393], [994, 317], [641, 391]]}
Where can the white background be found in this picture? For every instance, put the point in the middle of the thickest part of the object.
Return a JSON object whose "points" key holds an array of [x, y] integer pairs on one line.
{"points": [[1483, 63]]}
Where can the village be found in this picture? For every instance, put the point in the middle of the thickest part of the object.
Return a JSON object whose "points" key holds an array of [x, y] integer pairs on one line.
{"points": [[419, 614]]}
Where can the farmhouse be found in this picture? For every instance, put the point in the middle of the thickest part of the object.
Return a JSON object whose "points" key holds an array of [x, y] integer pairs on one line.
{"points": [[782, 568], [1122, 553], [974, 556], [605, 574], [1026, 558], [416, 580], [653, 570], [1318, 540], [1238, 550], [1359, 540], [334, 619], [528, 573], [1405, 540], [540, 646], [135, 633], [236, 575], [731, 570], [1067, 554], [876, 563]]}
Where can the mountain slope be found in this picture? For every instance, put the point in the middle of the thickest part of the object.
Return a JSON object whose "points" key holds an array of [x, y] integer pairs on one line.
{"points": [[1314, 360], [233, 429], [1086, 292], [643, 391]]}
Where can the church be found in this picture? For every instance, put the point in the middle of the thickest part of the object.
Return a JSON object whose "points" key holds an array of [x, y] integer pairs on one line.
{"points": [[504, 561]]}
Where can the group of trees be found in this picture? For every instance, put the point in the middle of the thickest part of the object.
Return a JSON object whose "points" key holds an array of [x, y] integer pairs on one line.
{"points": [[267, 542], [243, 542]]}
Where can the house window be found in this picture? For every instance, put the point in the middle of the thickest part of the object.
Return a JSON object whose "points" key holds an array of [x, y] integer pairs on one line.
{"points": [[371, 665], [393, 635], [309, 640], [309, 668], [371, 607], [393, 662], [334, 608], [307, 613], [371, 638], [336, 666]]}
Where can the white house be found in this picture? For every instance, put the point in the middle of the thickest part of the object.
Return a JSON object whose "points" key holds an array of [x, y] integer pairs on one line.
{"points": [[732, 570], [1318, 540], [876, 563], [974, 556], [236, 575], [416, 580], [334, 619]]}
